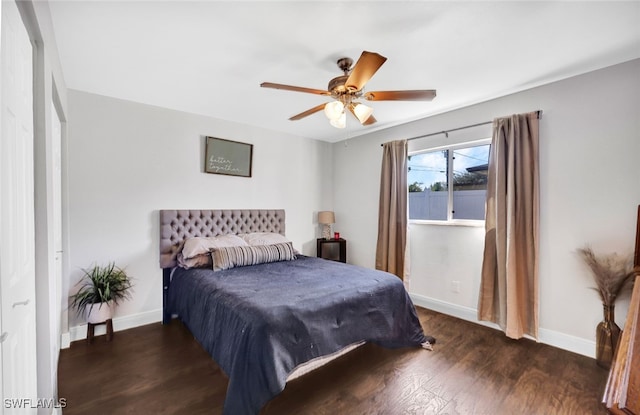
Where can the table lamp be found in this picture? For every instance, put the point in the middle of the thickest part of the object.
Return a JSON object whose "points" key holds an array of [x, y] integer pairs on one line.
{"points": [[326, 218]]}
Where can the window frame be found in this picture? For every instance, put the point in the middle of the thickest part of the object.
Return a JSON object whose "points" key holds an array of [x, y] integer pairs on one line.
{"points": [[450, 220]]}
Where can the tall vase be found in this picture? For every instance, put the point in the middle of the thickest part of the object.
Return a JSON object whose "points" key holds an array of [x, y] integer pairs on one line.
{"points": [[607, 335]]}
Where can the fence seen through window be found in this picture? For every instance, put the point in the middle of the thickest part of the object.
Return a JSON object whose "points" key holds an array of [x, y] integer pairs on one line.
{"points": [[448, 184]]}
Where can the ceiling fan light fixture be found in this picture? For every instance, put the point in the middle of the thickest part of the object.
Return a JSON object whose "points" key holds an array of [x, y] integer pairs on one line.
{"points": [[334, 110], [362, 112], [339, 122]]}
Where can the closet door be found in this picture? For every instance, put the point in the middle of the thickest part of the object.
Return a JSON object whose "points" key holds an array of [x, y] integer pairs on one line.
{"points": [[18, 379]]}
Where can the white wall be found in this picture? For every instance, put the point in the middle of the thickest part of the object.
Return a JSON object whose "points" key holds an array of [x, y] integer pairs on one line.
{"points": [[590, 144], [129, 160]]}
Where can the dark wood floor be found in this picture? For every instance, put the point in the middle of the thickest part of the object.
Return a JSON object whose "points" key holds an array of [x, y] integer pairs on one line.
{"points": [[159, 369]]}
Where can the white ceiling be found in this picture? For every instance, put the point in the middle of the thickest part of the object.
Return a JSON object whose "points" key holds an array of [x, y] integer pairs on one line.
{"points": [[209, 57]]}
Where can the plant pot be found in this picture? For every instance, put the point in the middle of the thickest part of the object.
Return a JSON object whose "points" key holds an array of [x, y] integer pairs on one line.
{"points": [[99, 312], [607, 335]]}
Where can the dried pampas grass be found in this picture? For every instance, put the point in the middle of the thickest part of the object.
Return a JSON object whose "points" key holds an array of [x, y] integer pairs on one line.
{"points": [[610, 273]]}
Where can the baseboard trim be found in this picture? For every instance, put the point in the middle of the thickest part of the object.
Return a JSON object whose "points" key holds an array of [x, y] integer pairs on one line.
{"points": [[552, 338], [119, 323], [65, 340]]}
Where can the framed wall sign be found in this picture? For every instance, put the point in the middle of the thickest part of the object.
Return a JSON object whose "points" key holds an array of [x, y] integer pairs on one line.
{"points": [[228, 157]]}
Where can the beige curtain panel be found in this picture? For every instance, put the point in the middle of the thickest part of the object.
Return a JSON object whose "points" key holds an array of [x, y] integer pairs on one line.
{"points": [[392, 213], [509, 286]]}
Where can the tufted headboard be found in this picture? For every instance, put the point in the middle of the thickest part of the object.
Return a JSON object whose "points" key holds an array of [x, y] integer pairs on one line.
{"points": [[178, 225]]}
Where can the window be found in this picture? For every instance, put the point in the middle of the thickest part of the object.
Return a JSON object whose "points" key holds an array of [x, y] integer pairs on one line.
{"points": [[449, 184]]}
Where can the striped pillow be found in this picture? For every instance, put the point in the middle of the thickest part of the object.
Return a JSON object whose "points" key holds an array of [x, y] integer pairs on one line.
{"points": [[240, 256]]}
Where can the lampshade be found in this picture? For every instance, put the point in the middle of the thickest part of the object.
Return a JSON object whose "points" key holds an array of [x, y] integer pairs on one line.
{"points": [[362, 112], [334, 110], [326, 217], [339, 122]]}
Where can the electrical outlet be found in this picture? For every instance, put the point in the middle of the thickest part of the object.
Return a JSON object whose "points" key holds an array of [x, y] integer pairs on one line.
{"points": [[455, 286]]}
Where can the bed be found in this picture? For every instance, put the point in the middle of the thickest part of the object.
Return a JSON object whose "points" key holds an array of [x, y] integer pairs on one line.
{"points": [[264, 322]]}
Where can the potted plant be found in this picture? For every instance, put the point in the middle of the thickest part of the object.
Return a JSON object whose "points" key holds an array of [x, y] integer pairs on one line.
{"points": [[100, 289], [610, 273]]}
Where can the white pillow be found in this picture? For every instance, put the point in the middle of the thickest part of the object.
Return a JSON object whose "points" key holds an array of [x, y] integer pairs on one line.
{"points": [[264, 238], [199, 245]]}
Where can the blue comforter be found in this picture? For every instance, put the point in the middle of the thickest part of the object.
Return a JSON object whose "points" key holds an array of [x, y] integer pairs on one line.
{"points": [[260, 322]]}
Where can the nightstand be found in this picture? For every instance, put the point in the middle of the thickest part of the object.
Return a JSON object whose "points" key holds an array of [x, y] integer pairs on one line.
{"points": [[332, 249]]}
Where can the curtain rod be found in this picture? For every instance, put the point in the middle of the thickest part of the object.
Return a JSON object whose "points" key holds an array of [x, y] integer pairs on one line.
{"points": [[446, 132]]}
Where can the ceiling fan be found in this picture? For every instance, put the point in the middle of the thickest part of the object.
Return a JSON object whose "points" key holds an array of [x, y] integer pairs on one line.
{"points": [[347, 89]]}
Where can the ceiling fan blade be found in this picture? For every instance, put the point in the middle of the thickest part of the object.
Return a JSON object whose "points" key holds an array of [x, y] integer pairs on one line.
{"points": [[294, 88], [411, 95], [370, 120], [308, 112], [364, 69]]}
